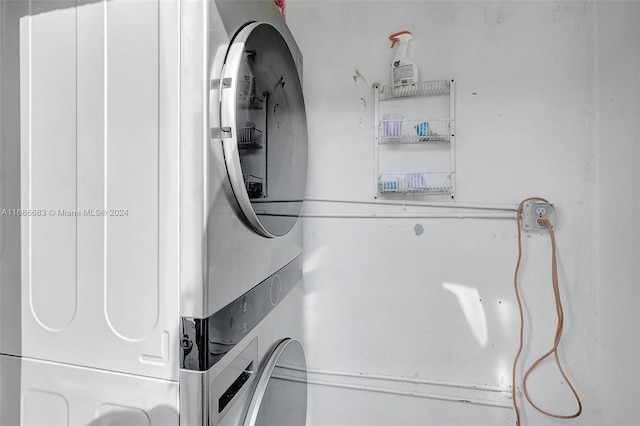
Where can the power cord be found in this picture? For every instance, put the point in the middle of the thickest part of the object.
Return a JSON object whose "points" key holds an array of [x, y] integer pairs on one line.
{"points": [[559, 326]]}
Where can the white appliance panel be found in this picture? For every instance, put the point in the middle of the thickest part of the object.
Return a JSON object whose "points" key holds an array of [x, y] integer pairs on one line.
{"points": [[57, 394], [99, 157], [131, 154], [48, 81]]}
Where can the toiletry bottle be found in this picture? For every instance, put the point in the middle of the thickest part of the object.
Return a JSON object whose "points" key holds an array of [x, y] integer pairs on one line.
{"points": [[246, 82], [404, 72]]}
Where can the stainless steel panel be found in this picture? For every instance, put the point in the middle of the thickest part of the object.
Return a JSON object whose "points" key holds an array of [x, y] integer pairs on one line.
{"points": [[233, 18], [234, 380], [206, 340], [210, 275]]}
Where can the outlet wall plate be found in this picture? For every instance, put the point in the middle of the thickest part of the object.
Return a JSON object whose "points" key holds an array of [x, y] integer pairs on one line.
{"points": [[534, 210]]}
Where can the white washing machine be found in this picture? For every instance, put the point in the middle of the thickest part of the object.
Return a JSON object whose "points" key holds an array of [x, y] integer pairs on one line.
{"points": [[152, 192]]}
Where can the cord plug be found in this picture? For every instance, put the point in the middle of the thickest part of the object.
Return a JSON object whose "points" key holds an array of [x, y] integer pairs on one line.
{"points": [[538, 215]]}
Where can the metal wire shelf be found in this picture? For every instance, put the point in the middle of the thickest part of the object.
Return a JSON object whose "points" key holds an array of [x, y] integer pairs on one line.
{"points": [[414, 131], [423, 88], [426, 183]]}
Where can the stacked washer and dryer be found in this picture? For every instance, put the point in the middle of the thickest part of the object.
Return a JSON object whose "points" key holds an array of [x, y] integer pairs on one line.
{"points": [[162, 166]]}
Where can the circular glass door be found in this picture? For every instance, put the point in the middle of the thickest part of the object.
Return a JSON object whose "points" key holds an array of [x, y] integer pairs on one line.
{"points": [[264, 125], [280, 396]]}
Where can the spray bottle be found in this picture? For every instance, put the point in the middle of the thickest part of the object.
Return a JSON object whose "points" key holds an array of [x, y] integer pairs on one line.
{"points": [[404, 72]]}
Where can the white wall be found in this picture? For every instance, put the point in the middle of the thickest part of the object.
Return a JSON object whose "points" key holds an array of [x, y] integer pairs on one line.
{"points": [[618, 199], [547, 104]]}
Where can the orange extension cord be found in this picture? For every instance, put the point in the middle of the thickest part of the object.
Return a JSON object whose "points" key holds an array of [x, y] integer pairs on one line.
{"points": [[559, 327]]}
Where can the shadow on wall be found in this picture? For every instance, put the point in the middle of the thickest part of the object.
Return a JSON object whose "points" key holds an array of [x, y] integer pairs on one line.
{"points": [[114, 415]]}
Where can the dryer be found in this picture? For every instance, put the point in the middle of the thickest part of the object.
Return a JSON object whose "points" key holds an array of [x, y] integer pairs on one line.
{"points": [[245, 98], [163, 154], [256, 168]]}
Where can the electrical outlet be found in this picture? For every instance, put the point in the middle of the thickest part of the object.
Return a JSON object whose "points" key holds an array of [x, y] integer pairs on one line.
{"points": [[534, 210]]}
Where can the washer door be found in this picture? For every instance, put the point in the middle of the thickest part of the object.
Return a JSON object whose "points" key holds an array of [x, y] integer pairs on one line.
{"points": [[264, 129], [280, 396]]}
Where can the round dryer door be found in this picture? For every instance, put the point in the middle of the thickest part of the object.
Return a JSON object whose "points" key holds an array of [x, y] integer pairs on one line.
{"points": [[264, 128], [280, 397]]}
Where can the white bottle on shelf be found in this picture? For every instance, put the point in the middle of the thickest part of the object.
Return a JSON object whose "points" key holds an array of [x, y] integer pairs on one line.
{"points": [[404, 72]]}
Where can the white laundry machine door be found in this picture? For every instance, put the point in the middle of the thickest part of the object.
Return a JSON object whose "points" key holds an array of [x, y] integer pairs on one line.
{"points": [[280, 396], [261, 123]]}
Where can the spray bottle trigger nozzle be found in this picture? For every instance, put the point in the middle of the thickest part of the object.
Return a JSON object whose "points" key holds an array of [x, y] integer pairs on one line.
{"points": [[395, 39]]}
